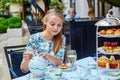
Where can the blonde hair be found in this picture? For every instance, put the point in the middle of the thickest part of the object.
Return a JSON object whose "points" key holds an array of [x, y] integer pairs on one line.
{"points": [[57, 39]]}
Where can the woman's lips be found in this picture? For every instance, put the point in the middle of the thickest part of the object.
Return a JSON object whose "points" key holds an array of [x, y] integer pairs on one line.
{"points": [[55, 31]]}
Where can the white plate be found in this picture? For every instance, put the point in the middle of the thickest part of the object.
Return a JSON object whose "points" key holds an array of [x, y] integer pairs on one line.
{"points": [[111, 74], [70, 69], [114, 74], [108, 36], [106, 69], [103, 52]]}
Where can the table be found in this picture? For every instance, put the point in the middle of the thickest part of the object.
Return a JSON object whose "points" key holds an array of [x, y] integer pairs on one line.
{"points": [[85, 69]]}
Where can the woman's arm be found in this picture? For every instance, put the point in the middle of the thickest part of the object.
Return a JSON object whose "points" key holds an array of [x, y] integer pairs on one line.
{"points": [[28, 55], [52, 59], [24, 64]]}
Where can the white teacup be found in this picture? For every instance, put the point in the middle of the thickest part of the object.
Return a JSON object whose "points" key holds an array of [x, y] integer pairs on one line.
{"points": [[54, 74]]}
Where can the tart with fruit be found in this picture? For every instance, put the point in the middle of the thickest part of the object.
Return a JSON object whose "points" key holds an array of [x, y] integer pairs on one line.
{"points": [[63, 66]]}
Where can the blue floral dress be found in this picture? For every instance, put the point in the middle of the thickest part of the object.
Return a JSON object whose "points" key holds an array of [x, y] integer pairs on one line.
{"points": [[37, 44]]}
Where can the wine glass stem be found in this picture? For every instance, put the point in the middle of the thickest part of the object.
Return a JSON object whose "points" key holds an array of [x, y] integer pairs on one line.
{"points": [[72, 67]]}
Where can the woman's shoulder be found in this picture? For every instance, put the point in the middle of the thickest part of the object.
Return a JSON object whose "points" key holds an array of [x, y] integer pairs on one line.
{"points": [[36, 35]]}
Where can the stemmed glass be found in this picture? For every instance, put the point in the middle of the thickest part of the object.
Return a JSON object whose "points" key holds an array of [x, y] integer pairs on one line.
{"points": [[71, 57]]}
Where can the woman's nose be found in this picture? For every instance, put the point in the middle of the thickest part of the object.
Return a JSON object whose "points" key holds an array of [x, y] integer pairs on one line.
{"points": [[56, 27]]}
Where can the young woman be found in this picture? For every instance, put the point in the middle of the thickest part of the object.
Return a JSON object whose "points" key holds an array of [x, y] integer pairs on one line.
{"points": [[50, 43]]}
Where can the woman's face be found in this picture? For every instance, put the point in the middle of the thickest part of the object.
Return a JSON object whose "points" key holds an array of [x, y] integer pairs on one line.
{"points": [[53, 24]]}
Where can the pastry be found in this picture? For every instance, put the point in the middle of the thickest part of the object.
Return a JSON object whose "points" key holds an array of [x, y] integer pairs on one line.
{"points": [[102, 61], [63, 66], [104, 48], [102, 32], [114, 45], [118, 63], [109, 32], [109, 50], [114, 65], [117, 32], [112, 58], [116, 50]]}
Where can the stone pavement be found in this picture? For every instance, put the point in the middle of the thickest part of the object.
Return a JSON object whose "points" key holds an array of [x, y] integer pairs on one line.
{"points": [[4, 73]]}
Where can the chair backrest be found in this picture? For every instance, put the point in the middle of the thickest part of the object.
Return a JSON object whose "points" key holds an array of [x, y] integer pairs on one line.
{"points": [[14, 55]]}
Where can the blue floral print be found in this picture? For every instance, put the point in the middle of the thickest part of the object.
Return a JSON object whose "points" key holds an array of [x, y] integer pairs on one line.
{"points": [[39, 45]]}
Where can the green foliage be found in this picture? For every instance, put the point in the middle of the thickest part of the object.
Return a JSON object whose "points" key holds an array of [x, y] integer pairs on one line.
{"points": [[112, 2], [18, 25], [12, 22], [3, 28], [4, 7], [3, 25], [56, 4], [3, 21], [1, 7], [11, 25], [21, 1], [14, 19]]}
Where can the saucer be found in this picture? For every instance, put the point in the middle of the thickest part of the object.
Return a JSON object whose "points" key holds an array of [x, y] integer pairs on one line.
{"points": [[70, 69], [114, 74], [31, 76]]}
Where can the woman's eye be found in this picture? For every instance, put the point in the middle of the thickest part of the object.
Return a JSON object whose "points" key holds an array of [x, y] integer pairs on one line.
{"points": [[59, 25], [52, 24]]}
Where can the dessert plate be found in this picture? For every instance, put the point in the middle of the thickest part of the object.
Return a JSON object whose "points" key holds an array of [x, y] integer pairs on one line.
{"points": [[115, 74], [108, 36], [103, 52], [70, 69]]}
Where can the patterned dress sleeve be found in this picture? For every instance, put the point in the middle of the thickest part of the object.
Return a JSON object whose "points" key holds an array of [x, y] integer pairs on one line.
{"points": [[61, 52]]}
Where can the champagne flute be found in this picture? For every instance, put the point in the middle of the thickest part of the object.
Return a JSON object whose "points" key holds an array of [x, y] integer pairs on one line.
{"points": [[71, 57]]}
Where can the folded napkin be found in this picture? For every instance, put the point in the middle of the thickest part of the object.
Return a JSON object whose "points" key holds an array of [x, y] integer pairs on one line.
{"points": [[86, 62], [71, 75]]}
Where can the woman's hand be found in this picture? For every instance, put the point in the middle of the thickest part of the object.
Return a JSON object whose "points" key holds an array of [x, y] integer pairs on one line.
{"points": [[45, 55], [52, 59], [27, 56]]}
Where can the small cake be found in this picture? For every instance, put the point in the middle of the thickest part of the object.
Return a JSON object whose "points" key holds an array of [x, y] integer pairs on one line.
{"points": [[109, 50], [63, 66], [114, 65], [116, 50], [112, 58], [117, 32], [102, 61], [102, 32], [104, 48], [118, 63], [109, 32], [106, 45]]}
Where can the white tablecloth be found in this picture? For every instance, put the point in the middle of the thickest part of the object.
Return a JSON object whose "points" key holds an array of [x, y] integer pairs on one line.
{"points": [[85, 69]]}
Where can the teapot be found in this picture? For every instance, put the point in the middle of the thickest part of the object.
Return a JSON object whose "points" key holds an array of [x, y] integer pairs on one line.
{"points": [[38, 65]]}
